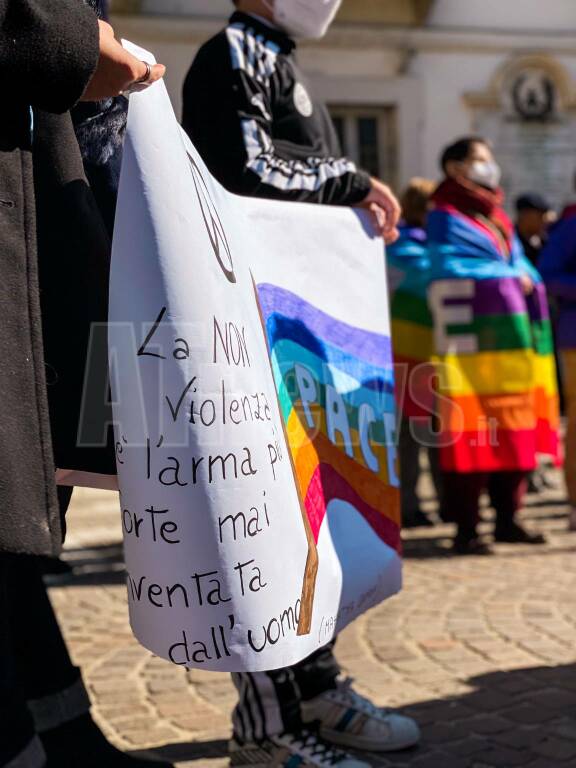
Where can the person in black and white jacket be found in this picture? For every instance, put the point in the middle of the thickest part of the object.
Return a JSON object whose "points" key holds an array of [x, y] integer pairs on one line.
{"points": [[249, 111]]}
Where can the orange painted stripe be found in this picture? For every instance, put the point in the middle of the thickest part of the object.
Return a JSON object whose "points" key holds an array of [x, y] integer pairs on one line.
{"points": [[300, 433], [372, 488]]}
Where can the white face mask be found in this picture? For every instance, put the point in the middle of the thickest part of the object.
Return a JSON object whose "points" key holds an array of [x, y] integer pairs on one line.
{"points": [[304, 18], [487, 173]]}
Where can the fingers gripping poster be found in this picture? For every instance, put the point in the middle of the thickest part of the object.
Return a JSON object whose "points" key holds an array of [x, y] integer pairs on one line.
{"points": [[254, 411]]}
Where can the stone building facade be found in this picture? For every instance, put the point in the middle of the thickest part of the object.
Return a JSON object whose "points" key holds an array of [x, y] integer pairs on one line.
{"points": [[404, 77]]}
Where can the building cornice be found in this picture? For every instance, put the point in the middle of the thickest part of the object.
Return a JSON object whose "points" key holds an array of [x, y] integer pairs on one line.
{"points": [[192, 30], [480, 41]]}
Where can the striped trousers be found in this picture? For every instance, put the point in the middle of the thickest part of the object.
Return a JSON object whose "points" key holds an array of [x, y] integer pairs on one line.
{"points": [[269, 702]]}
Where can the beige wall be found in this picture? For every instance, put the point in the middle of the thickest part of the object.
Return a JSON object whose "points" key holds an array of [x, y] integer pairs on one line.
{"points": [[393, 12], [527, 15], [174, 41], [397, 12]]}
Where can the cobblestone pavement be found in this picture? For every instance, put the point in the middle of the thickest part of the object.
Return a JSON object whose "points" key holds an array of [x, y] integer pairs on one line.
{"points": [[480, 650]]}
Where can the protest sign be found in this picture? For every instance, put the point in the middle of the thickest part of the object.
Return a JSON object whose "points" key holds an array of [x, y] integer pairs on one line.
{"points": [[254, 413]]}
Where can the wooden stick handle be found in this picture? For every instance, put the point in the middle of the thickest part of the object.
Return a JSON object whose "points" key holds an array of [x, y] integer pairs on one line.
{"points": [[311, 569]]}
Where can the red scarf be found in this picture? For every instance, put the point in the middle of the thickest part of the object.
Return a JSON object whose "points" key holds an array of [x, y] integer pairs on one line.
{"points": [[568, 212], [473, 200]]}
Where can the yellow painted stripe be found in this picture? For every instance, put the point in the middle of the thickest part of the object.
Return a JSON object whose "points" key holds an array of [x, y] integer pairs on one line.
{"points": [[302, 443]]}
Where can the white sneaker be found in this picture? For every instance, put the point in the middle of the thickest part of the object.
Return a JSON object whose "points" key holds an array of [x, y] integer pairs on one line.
{"points": [[302, 750], [352, 721], [572, 519]]}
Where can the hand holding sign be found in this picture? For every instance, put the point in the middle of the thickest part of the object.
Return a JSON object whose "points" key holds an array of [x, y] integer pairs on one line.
{"points": [[385, 209], [118, 70]]}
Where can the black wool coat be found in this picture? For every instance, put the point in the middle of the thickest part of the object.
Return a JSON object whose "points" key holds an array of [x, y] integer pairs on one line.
{"points": [[52, 247]]}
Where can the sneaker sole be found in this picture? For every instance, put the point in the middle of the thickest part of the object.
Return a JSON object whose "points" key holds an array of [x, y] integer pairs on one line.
{"points": [[354, 742]]}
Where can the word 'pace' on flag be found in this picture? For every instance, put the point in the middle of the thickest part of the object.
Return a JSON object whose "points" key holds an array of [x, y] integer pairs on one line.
{"points": [[253, 394]]}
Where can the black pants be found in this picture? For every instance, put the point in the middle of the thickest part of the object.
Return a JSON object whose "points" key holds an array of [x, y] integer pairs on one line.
{"points": [[409, 450], [462, 497], [269, 702], [40, 688], [17, 732]]}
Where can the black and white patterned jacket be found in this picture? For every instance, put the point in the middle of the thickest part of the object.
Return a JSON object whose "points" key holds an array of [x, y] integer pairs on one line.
{"points": [[249, 112]]}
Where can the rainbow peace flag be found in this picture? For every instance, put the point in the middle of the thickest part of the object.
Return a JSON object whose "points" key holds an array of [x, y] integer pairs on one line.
{"points": [[408, 262], [335, 385], [491, 346]]}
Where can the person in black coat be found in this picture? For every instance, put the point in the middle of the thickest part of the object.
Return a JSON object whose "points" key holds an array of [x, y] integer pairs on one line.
{"points": [[37, 79], [53, 248], [51, 55]]}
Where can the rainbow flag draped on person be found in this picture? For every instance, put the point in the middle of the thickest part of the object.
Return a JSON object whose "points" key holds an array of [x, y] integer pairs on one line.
{"points": [[335, 385], [491, 345]]}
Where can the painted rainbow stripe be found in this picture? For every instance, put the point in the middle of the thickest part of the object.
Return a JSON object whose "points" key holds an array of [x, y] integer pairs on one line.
{"points": [[321, 363]]}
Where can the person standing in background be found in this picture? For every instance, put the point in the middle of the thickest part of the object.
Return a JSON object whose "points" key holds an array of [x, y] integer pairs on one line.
{"points": [[557, 265], [409, 251], [493, 345], [249, 111], [569, 209], [533, 216], [408, 263]]}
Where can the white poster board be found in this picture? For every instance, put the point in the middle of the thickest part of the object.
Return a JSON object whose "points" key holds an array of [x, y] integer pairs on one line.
{"points": [[243, 553]]}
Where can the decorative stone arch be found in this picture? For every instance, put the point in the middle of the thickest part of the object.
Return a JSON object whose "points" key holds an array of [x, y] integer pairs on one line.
{"points": [[494, 97], [528, 113]]}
